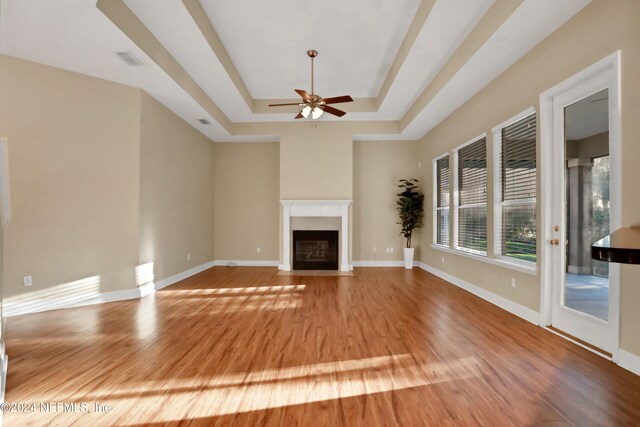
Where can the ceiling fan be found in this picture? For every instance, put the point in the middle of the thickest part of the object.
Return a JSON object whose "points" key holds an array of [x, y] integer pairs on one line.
{"points": [[313, 104]]}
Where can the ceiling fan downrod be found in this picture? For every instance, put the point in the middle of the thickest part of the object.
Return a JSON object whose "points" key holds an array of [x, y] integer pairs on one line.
{"points": [[312, 54]]}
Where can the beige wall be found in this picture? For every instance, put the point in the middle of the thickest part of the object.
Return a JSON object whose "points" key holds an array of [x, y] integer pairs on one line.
{"points": [[104, 178], [316, 161], [600, 29], [378, 166], [247, 180], [74, 162], [247, 200], [176, 192]]}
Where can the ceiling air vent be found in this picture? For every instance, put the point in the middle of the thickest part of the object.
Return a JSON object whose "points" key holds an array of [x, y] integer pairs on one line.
{"points": [[129, 58], [204, 121]]}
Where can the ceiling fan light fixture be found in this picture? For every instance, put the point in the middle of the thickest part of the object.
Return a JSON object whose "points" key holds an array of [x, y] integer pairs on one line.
{"points": [[313, 103]]}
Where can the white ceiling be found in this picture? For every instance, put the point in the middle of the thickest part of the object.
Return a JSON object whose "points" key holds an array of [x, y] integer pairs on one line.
{"points": [[267, 41]]}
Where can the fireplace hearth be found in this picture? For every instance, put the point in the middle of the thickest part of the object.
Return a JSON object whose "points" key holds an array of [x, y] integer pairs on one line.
{"points": [[315, 250]]}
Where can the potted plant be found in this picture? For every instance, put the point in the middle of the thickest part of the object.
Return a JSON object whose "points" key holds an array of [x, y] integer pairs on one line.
{"points": [[410, 209]]}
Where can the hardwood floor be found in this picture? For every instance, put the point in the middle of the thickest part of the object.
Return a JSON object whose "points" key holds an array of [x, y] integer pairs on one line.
{"points": [[243, 346]]}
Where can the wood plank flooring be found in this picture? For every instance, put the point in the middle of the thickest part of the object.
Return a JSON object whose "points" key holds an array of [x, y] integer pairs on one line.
{"points": [[244, 346]]}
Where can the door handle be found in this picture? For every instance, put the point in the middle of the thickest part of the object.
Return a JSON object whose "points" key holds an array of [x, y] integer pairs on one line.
{"points": [[554, 242]]}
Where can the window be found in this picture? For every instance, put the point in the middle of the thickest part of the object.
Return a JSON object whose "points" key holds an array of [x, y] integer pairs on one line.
{"points": [[441, 200], [515, 213], [471, 196]]}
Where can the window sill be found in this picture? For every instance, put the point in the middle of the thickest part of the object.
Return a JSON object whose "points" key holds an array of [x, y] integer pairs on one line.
{"points": [[501, 262]]}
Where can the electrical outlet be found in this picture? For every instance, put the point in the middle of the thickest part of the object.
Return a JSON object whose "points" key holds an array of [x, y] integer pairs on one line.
{"points": [[513, 282], [374, 249], [28, 281], [419, 165], [188, 257], [443, 260], [390, 250], [258, 250]]}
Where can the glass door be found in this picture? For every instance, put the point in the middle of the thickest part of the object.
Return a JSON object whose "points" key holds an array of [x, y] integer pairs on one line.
{"points": [[586, 282], [582, 303]]}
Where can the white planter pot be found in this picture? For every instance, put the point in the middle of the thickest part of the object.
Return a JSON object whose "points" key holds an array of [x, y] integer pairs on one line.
{"points": [[408, 258]]}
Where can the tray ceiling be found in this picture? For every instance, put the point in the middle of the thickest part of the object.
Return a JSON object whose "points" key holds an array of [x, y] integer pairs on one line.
{"points": [[407, 63]]}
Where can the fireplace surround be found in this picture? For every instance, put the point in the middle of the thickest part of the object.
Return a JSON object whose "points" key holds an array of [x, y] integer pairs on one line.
{"points": [[310, 209]]}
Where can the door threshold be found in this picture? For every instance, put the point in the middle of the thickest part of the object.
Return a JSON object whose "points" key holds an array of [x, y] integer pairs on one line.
{"points": [[580, 342]]}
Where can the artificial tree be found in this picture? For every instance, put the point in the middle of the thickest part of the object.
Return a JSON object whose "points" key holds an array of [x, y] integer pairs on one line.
{"points": [[410, 205]]}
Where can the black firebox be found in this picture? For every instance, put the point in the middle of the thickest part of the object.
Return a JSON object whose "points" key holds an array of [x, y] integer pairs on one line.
{"points": [[315, 250]]}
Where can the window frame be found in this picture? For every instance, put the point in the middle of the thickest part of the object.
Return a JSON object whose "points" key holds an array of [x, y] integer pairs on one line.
{"points": [[497, 191], [456, 198], [436, 208]]}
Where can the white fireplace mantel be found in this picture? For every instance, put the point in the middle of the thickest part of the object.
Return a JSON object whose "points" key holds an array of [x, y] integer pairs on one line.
{"points": [[315, 208]]}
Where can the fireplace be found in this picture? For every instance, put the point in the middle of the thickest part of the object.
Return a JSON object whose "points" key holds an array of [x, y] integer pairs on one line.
{"points": [[315, 250], [309, 209]]}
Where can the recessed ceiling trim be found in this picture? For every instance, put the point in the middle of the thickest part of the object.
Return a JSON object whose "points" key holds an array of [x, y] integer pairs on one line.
{"points": [[493, 19], [258, 106], [378, 127], [410, 125], [407, 43], [194, 8], [118, 13]]}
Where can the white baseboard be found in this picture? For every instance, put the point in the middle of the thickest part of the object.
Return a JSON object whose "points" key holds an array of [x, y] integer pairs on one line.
{"points": [[242, 263], [629, 361], [378, 263], [183, 275], [519, 310], [38, 304], [27, 305]]}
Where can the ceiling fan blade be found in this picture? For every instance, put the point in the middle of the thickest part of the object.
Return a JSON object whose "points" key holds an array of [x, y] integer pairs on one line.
{"points": [[300, 116], [338, 99], [333, 111], [280, 105], [303, 94]]}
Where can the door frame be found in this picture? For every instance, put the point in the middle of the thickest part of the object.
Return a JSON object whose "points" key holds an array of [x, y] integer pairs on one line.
{"points": [[608, 67]]}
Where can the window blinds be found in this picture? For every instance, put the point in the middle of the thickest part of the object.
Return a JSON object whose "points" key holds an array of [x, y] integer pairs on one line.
{"points": [[441, 208], [472, 197], [517, 199]]}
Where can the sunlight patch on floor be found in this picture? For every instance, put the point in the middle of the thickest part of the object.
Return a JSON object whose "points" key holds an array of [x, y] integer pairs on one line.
{"points": [[252, 289], [273, 388], [226, 304]]}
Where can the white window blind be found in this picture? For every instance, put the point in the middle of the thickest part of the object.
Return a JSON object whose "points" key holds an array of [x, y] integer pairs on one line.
{"points": [[516, 189], [471, 201], [441, 214]]}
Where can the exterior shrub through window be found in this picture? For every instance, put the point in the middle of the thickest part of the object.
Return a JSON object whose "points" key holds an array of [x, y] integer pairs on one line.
{"points": [[516, 189], [471, 190]]}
